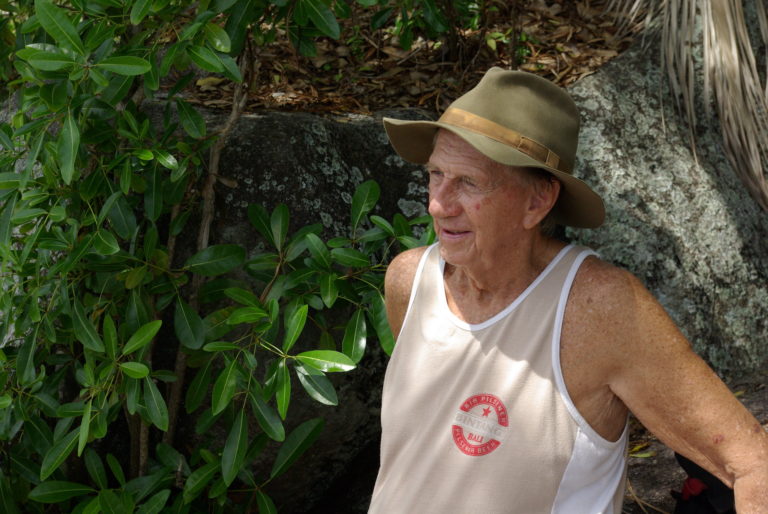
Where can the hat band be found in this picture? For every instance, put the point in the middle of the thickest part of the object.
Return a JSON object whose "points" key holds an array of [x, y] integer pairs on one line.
{"points": [[488, 128]]}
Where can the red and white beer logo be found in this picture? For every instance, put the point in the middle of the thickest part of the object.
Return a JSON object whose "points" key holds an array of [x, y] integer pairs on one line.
{"points": [[480, 425]]}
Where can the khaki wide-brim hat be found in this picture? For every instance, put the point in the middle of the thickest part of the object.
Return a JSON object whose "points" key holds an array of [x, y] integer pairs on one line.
{"points": [[515, 118]]}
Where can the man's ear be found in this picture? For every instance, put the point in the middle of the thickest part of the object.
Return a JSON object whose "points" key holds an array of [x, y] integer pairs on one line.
{"points": [[543, 196]]}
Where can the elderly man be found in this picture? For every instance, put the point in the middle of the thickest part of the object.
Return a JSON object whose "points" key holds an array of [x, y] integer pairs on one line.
{"points": [[518, 357]]}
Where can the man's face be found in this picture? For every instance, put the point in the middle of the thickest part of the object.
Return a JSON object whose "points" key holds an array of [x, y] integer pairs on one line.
{"points": [[477, 204]]}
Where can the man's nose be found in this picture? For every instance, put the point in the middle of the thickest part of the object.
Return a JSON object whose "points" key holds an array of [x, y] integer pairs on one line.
{"points": [[443, 200]]}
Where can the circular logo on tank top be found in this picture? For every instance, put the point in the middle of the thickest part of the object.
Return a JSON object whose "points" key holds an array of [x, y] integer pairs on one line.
{"points": [[480, 425]]}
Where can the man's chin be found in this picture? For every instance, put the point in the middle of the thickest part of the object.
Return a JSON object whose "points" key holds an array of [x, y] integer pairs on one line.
{"points": [[455, 256]]}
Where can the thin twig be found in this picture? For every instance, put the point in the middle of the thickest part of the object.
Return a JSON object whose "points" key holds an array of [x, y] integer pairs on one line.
{"points": [[239, 99], [641, 503]]}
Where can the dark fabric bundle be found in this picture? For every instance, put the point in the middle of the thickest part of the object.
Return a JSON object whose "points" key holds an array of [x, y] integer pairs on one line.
{"points": [[702, 492]]}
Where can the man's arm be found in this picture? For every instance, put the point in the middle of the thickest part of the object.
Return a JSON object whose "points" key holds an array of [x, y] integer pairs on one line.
{"points": [[646, 362], [397, 286]]}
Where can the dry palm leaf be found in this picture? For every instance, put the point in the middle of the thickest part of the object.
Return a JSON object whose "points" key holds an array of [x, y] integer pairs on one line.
{"points": [[730, 77]]}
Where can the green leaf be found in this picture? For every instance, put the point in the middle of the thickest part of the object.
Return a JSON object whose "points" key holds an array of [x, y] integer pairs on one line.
{"points": [[172, 459], [126, 65], [267, 418], [56, 23], [95, 468], [242, 296], [378, 313], [198, 388], [293, 326], [107, 206], [55, 491], [319, 251], [188, 325], [265, 503], [84, 329], [139, 10], [295, 445], [329, 291], [140, 487], [105, 243], [246, 315], [350, 257], [218, 38], [279, 225], [283, 393], [153, 196], [326, 360], [132, 394], [220, 346], [233, 455], [142, 336], [224, 388], [155, 504], [50, 61], [354, 341], [241, 15], [191, 120], [156, 407], [7, 501], [205, 58], [25, 360], [135, 277], [5, 221], [117, 471], [216, 260], [69, 142], [122, 218], [231, 69], [112, 503], [259, 218], [85, 427], [364, 199], [317, 385], [166, 159], [5, 401], [58, 453], [134, 369], [110, 336], [197, 481], [322, 17]]}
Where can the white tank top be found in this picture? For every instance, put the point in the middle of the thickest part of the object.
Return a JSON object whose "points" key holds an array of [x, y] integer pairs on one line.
{"points": [[476, 418]]}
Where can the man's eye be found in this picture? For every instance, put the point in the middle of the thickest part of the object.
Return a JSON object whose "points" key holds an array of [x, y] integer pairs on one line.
{"points": [[469, 182]]}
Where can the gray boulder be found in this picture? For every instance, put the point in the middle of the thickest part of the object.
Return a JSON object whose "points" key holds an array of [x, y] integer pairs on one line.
{"points": [[682, 223]]}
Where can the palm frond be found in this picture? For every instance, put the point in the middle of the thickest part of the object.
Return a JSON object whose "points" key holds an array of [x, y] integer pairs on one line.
{"points": [[742, 106], [729, 77]]}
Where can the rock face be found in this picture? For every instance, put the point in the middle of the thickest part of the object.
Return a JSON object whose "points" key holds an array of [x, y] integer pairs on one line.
{"points": [[687, 228]]}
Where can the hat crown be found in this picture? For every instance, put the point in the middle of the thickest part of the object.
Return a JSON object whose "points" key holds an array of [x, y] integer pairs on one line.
{"points": [[530, 105]]}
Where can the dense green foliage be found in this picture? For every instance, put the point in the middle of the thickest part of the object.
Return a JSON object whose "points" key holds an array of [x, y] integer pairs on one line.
{"points": [[99, 319]]}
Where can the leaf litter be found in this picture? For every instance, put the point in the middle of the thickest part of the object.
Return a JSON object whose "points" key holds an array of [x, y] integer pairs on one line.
{"points": [[368, 70]]}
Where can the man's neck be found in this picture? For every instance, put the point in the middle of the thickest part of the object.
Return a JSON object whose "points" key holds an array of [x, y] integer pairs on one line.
{"points": [[477, 292]]}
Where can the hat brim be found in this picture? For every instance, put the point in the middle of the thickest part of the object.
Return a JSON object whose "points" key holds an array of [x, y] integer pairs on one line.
{"points": [[577, 205]]}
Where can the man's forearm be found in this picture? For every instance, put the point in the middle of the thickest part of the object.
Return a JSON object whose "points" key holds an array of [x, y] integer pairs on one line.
{"points": [[751, 492]]}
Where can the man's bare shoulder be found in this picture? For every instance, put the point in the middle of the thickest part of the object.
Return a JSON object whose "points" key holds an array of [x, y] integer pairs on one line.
{"points": [[401, 271], [398, 283], [609, 308], [602, 289]]}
